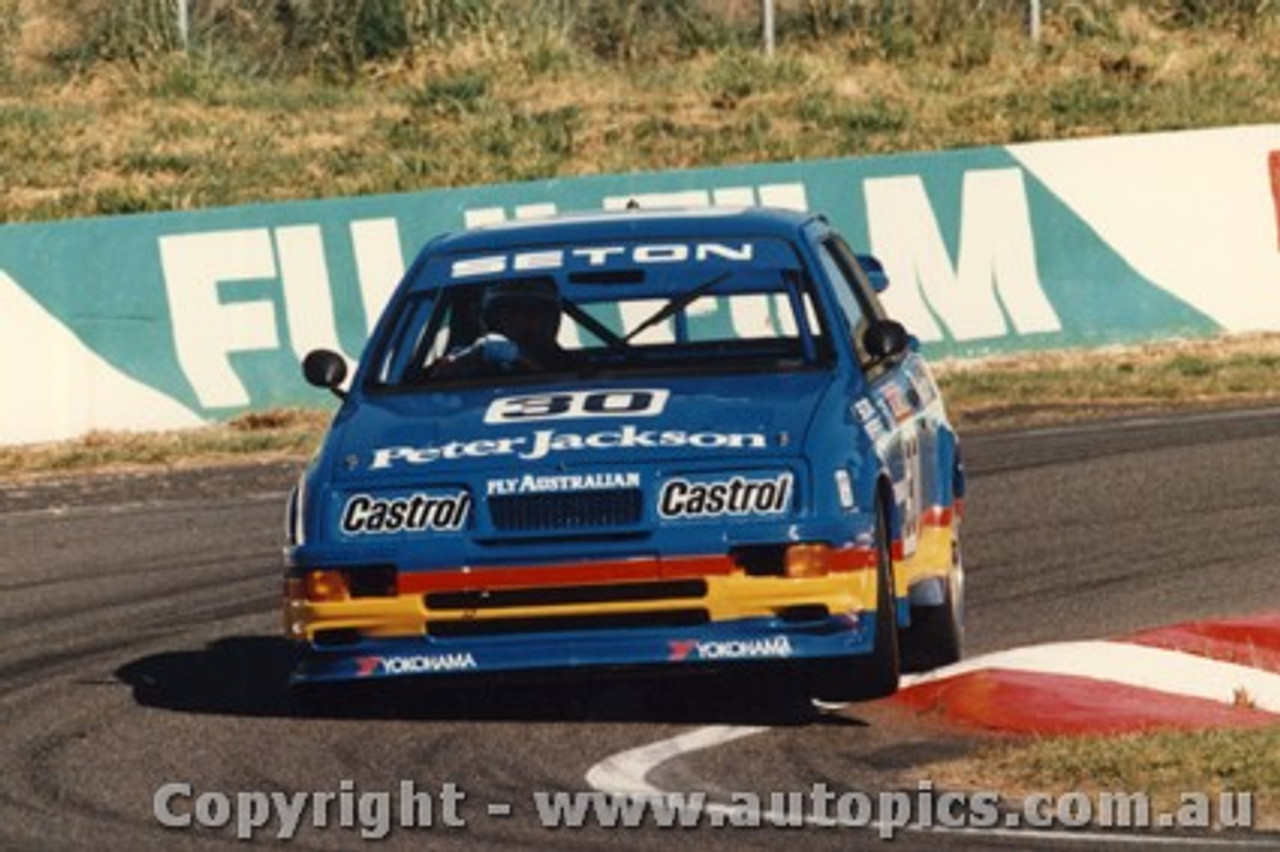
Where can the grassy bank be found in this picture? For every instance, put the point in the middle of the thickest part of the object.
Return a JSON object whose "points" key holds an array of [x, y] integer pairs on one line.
{"points": [[1162, 765], [1066, 386], [101, 112]]}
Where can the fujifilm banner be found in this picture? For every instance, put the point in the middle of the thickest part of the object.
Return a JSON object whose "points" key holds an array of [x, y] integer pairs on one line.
{"points": [[171, 320]]}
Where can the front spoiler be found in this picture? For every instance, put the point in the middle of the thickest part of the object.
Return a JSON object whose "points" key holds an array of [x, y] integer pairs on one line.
{"points": [[717, 643]]}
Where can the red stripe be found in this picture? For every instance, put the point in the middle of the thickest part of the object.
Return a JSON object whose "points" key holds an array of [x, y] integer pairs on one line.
{"points": [[853, 559], [934, 516], [1249, 641], [631, 570], [937, 516], [1034, 703], [592, 573]]}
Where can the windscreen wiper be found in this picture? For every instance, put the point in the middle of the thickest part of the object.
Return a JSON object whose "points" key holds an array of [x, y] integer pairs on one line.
{"points": [[676, 305], [593, 325]]}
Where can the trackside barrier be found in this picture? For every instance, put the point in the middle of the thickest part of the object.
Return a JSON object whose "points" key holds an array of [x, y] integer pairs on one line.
{"points": [[171, 320]]}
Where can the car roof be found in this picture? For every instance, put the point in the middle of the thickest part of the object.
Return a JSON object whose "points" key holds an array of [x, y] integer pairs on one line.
{"points": [[682, 224]]}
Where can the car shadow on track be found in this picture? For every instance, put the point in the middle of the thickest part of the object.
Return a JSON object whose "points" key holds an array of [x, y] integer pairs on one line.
{"points": [[248, 676]]}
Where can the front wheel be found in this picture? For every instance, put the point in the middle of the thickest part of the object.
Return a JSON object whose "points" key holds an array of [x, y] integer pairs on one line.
{"points": [[864, 679]]}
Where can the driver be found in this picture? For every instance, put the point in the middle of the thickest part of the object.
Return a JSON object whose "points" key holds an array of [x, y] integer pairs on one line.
{"points": [[520, 320], [526, 312]]}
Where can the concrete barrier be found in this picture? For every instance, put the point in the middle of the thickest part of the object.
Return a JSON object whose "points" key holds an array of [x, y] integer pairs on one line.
{"points": [[175, 319]]}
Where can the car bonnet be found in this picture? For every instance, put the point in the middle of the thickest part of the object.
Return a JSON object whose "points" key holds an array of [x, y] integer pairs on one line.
{"points": [[409, 437]]}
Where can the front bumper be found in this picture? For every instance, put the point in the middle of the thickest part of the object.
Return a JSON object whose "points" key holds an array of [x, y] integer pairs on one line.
{"points": [[713, 644], [687, 613]]}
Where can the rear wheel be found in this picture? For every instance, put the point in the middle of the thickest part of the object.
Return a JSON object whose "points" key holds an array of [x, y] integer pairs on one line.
{"points": [[844, 679], [936, 635]]}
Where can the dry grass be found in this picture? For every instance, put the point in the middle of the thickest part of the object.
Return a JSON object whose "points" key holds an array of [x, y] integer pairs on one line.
{"points": [[497, 105], [1071, 385], [250, 439], [1162, 765]]}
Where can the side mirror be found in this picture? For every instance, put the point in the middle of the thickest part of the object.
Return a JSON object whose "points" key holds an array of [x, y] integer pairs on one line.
{"points": [[875, 272], [886, 339], [325, 368]]}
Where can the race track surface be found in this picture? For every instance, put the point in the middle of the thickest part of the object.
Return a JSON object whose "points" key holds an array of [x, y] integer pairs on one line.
{"points": [[140, 648]]}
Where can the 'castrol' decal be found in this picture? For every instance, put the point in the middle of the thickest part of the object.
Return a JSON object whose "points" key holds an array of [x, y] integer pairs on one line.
{"points": [[367, 515], [735, 497]]}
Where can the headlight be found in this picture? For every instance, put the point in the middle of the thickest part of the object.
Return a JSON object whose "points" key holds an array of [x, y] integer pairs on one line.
{"points": [[808, 560]]}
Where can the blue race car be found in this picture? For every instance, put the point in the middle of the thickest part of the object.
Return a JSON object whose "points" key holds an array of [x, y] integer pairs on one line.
{"points": [[681, 439]]}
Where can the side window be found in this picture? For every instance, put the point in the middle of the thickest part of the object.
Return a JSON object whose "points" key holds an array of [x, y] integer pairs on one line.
{"points": [[857, 298], [855, 315], [854, 273]]}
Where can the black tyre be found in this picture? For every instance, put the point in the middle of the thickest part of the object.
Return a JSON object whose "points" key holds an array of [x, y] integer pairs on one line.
{"points": [[863, 679], [936, 635]]}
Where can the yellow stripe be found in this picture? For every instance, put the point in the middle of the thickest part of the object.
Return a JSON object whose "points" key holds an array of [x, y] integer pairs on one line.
{"points": [[731, 597], [931, 559]]}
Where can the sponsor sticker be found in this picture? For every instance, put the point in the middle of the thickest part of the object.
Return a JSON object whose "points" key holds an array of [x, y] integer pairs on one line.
{"points": [[736, 497], [870, 418], [415, 664], [897, 404], [730, 649], [365, 514], [544, 442], [602, 256], [532, 483]]}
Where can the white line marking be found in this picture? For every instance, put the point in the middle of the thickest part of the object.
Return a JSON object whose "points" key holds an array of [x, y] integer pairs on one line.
{"points": [[1158, 669], [1172, 672], [626, 773]]}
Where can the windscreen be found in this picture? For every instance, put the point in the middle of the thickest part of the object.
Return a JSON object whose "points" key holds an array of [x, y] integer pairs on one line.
{"points": [[616, 309]]}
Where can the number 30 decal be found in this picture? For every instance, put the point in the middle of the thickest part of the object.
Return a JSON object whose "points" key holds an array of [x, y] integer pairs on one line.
{"points": [[577, 404]]}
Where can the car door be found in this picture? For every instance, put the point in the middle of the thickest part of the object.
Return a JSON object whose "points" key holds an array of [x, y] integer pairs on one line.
{"points": [[891, 394]]}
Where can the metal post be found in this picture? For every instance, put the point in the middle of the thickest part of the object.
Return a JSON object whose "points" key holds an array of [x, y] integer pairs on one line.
{"points": [[1033, 20], [184, 24], [767, 14]]}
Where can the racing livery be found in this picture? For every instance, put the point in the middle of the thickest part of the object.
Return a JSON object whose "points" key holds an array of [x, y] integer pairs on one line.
{"points": [[644, 438]]}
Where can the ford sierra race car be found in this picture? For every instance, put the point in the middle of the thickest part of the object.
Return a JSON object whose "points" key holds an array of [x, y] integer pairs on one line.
{"points": [[684, 439]]}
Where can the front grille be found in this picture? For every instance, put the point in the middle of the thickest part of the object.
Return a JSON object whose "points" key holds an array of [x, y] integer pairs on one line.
{"points": [[567, 595], [574, 511], [607, 621]]}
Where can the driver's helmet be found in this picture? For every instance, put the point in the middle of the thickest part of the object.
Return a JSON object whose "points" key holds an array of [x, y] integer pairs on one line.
{"points": [[521, 297]]}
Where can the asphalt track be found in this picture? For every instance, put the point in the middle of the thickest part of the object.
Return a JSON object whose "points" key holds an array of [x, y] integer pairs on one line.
{"points": [[140, 648]]}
